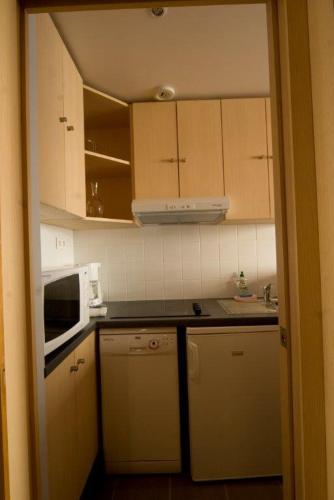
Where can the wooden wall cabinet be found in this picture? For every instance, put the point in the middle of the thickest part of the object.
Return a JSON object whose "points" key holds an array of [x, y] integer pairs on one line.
{"points": [[155, 153], [247, 158], [83, 137], [71, 420], [177, 149], [60, 120], [75, 186], [270, 158], [200, 148], [108, 153], [50, 107]]}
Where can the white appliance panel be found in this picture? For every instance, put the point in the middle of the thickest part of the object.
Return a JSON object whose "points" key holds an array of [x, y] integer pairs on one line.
{"points": [[62, 319], [140, 401], [234, 403], [180, 210]]}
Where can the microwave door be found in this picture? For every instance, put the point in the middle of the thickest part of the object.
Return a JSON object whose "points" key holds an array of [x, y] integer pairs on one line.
{"points": [[61, 306]]}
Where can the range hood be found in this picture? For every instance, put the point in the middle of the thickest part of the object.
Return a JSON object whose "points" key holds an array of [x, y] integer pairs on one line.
{"points": [[180, 210]]}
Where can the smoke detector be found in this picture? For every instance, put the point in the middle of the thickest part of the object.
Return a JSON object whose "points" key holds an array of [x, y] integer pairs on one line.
{"points": [[164, 93], [158, 11]]}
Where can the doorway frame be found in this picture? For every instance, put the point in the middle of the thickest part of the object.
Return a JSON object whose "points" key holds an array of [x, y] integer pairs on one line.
{"points": [[303, 398]]}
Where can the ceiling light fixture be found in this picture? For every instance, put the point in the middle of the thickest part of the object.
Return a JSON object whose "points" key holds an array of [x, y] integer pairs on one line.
{"points": [[158, 11], [164, 93]]}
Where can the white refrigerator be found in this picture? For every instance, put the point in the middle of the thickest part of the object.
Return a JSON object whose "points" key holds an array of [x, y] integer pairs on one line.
{"points": [[234, 402]]}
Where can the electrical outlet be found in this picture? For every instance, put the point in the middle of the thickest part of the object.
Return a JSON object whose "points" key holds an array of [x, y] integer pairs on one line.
{"points": [[60, 243]]}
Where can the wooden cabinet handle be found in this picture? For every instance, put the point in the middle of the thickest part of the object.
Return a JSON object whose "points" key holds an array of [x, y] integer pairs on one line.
{"points": [[174, 160], [62, 119], [74, 368], [81, 361], [70, 128], [262, 157]]}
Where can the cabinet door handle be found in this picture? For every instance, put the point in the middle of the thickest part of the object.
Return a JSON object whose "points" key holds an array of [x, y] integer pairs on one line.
{"points": [[63, 119], [74, 368], [70, 128], [183, 160], [193, 360], [81, 361], [262, 157], [259, 157], [170, 160]]}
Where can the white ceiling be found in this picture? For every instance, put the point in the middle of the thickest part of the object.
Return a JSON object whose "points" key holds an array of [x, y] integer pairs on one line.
{"points": [[201, 51]]}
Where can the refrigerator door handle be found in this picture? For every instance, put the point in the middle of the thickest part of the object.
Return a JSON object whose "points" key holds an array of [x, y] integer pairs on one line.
{"points": [[193, 360]]}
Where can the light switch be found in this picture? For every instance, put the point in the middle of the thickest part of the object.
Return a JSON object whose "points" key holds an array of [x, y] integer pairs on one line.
{"points": [[60, 243]]}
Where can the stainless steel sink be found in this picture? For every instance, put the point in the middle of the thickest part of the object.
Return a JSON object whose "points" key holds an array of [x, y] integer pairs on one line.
{"points": [[231, 306]]}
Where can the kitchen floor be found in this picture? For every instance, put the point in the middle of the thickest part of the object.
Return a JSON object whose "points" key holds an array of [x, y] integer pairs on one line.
{"points": [[181, 487]]}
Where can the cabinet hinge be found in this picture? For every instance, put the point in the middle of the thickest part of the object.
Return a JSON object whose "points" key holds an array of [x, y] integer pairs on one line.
{"points": [[284, 336]]}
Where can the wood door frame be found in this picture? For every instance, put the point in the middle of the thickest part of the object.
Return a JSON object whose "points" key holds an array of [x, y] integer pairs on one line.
{"points": [[296, 222], [4, 465], [298, 234]]}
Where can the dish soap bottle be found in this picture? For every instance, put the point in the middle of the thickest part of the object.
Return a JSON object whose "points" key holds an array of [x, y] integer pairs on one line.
{"points": [[242, 285]]}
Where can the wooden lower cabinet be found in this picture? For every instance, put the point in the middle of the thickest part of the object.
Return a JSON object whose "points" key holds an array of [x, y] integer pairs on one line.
{"points": [[86, 400], [71, 421]]}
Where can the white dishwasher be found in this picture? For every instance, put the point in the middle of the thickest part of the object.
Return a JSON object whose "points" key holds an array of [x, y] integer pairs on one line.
{"points": [[140, 400], [234, 402]]}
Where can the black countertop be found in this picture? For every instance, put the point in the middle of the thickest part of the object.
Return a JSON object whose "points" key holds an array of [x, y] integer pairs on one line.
{"points": [[117, 317]]}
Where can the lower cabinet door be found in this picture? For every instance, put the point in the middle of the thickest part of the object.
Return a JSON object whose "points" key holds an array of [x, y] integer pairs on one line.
{"points": [[61, 431], [86, 408], [71, 421]]}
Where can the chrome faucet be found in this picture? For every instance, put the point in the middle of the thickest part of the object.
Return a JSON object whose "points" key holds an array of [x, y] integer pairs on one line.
{"points": [[267, 294]]}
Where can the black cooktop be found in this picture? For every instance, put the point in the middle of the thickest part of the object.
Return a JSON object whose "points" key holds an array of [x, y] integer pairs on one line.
{"points": [[161, 309]]}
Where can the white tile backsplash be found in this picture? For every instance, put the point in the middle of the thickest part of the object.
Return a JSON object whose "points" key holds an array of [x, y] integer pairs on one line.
{"points": [[153, 270], [175, 262], [191, 269], [192, 289], [172, 270], [173, 289], [155, 290], [210, 269]]}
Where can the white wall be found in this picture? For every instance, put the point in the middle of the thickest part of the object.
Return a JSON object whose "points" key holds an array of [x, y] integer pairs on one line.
{"points": [[171, 262], [56, 246]]}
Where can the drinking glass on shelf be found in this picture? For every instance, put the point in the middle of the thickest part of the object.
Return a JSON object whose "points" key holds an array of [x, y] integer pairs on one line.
{"points": [[95, 206], [91, 145]]}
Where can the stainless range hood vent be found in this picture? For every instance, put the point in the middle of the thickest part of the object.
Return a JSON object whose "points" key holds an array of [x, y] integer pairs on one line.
{"points": [[180, 211]]}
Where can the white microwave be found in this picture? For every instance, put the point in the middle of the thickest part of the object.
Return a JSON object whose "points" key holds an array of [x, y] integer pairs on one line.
{"points": [[65, 305]]}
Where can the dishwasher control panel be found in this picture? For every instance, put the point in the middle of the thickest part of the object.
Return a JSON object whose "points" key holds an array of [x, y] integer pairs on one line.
{"points": [[138, 343]]}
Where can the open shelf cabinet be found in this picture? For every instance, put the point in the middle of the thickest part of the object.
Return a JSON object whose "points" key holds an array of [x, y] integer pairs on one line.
{"points": [[108, 152]]}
